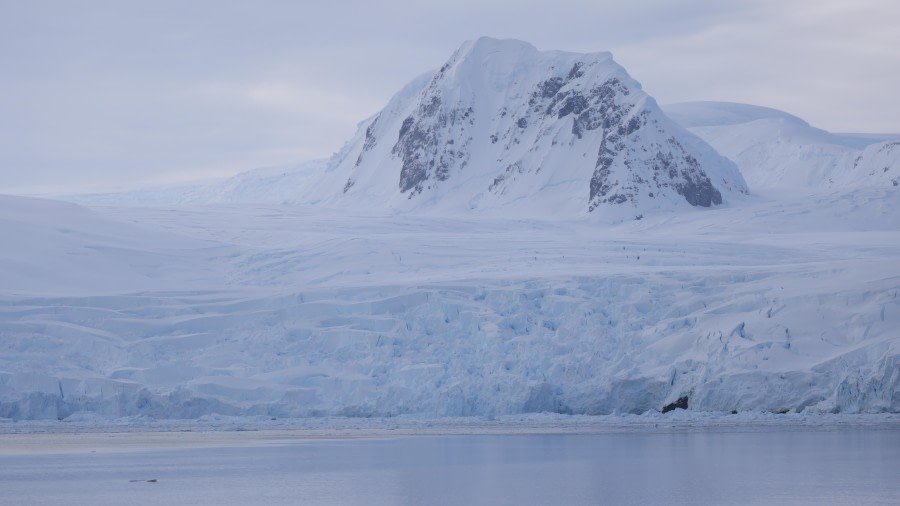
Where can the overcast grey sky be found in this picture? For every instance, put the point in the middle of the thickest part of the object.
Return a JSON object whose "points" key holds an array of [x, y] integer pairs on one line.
{"points": [[104, 94]]}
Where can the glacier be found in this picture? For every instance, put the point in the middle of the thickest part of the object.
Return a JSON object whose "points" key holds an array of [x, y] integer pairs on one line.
{"points": [[290, 311], [371, 285]]}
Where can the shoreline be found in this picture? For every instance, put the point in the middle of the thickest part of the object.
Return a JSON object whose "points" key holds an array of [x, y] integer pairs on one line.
{"points": [[130, 435]]}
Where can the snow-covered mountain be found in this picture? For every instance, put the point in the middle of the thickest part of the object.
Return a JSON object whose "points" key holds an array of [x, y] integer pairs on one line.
{"points": [[503, 126], [776, 150]]}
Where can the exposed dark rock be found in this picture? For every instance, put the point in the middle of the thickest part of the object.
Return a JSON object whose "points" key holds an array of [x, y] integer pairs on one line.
{"points": [[407, 123], [414, 147], [633, 125], [431, 107], [698, 190], [370, 135], [424, 145], [550, 87], [508, 174], [600, 185], [368, 144], [576, 71], [573, 104], [681, 403]]}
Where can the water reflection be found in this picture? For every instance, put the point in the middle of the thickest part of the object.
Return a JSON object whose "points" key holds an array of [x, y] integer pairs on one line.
{"points": [[799, 467]]}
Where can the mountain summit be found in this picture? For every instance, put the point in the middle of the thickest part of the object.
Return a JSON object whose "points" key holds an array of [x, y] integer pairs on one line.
{"points": [[502, 125]]}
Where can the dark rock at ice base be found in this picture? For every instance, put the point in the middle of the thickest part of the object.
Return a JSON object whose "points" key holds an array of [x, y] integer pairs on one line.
{"points": [[681, 403]]}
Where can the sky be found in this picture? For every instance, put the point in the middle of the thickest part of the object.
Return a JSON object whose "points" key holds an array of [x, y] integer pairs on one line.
{"points": [[103, 95]]}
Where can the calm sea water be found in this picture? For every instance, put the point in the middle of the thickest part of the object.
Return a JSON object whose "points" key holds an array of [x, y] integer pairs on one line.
{"points": [[791, 467]]}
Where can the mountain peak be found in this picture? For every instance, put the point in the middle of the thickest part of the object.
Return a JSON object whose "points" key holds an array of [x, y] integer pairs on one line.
{"points": [[486, 44], [508, 57], [503, 126]]}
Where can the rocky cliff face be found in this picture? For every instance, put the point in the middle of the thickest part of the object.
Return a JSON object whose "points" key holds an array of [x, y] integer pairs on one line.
{"points": [[502, 125]]}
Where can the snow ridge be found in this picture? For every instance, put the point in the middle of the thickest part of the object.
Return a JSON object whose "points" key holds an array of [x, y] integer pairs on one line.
{"points": [[776, 150]]}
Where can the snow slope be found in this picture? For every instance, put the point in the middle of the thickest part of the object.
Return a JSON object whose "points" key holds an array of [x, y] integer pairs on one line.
{"points": [[300, 311], [878, 164], [775, 150], [62, 248], [269, 185], [503, 128]]}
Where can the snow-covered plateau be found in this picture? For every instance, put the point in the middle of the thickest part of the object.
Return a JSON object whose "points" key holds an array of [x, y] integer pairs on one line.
{"points": [[595, 258]]}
